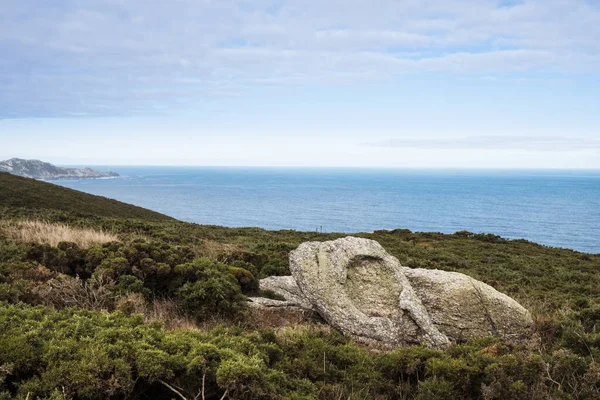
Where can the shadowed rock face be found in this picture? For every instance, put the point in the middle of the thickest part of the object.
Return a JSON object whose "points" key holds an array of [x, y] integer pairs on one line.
{"points": [[358, 288], [373, 288]]}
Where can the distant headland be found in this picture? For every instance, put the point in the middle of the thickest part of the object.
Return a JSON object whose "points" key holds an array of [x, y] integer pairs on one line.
{"points": [[42, 170]]}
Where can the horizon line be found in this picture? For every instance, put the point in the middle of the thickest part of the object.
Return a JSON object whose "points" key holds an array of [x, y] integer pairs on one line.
{"points": [[337, 167]]}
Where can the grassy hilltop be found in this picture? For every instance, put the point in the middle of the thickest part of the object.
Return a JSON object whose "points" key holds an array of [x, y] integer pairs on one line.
{"points": [[100, 299]]}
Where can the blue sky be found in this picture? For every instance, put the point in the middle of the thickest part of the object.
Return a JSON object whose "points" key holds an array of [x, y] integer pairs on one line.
{"points": [[385, 83]]}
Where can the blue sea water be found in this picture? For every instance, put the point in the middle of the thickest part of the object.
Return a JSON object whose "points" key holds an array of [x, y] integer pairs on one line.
{"points": [[555, 208]]}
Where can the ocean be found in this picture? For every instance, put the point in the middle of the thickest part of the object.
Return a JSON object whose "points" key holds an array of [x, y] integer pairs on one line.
{"points": [[554, 208]]}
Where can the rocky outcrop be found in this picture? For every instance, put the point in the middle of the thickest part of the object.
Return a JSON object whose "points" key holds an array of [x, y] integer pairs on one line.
{"points": [[363, 291], [42, 170]]}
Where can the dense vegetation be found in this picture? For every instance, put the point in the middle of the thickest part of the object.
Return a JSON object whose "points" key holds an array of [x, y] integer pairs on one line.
{"points": [[160, 313], [16, 191]]}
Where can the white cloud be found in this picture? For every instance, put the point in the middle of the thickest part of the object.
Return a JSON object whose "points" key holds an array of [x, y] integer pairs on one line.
{"points": [[98, 57]]}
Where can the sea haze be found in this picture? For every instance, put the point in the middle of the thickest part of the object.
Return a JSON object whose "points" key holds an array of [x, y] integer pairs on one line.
{"points": [[555, 208]]}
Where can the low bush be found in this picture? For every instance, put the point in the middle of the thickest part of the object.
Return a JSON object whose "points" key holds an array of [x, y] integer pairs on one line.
{"points": [[209, 290]]}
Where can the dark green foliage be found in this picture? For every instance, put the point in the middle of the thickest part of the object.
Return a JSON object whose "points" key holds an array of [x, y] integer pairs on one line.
{"points": [[203, 287], [208, 289], [247, 281], [16, 191], [91, 355], [128, 284], [436, 389]]}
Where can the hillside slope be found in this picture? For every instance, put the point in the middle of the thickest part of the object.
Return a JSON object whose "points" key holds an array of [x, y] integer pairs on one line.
{"points": [[190, 282], [16, 191]]}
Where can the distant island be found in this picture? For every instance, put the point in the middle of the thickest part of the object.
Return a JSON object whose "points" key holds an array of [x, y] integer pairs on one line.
{"points": [[42, 170]]}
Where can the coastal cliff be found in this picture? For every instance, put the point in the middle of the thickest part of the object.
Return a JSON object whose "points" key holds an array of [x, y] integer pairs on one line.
{"points": [[42, 170]]}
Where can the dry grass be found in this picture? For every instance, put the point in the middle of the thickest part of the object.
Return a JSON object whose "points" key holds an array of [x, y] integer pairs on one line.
{"points": [[277, 317], [214, 249], [99, 293], [53, 234], [290, 333], [163, 311], [169, 316]]}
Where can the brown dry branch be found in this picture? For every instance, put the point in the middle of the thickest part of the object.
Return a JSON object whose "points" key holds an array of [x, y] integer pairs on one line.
{"points": [[164, 311], [96, 293]]}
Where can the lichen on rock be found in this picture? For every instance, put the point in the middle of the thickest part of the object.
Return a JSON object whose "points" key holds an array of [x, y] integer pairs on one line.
{"points": [[360, 289]]}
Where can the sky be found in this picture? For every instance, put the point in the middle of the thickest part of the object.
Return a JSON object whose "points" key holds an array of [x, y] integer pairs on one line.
{"points": [[371, 83]]}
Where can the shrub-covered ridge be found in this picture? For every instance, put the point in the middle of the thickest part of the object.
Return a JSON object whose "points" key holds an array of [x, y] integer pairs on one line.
{"points": [[76, 322]]}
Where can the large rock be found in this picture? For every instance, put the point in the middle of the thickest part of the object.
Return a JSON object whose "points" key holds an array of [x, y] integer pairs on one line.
{"points": [[357, 287], [360, 289]]}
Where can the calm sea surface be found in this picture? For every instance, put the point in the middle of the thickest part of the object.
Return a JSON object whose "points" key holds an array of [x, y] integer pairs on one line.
{"points": [[556, 208]]}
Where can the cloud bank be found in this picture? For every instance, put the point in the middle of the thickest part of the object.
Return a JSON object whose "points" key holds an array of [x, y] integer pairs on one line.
{"points": [[535, 143], [108, 57]]}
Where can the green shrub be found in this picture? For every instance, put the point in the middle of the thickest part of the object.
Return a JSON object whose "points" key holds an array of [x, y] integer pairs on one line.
{"points": [[436, 389], [248, 283], [209, 290]]}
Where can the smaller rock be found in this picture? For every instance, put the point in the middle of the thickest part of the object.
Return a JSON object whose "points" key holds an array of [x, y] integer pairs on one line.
{"points": [[287, 287], [266, 302], [463, 307]]}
